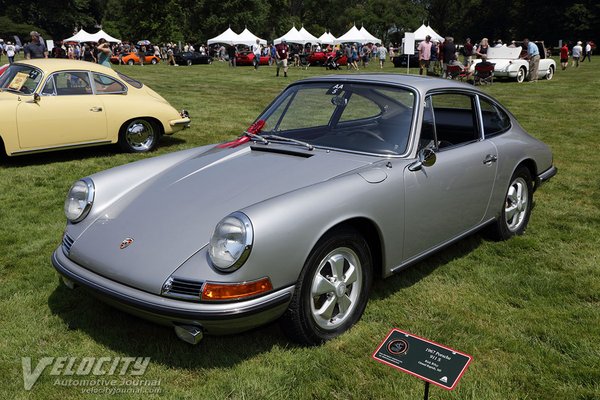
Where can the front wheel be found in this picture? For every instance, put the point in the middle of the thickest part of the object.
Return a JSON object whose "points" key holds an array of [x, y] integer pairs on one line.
{"points": [[332, 291], [517, 206], [521, 75], [130, 62], [139, 135], [154, 61], [550, 73]]}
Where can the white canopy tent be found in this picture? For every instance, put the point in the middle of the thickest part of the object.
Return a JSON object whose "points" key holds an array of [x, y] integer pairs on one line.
{"points": [[368, 36], [101, 34], [292, 36], [248, 38], [80, 36], [228, 37], [424, 31], [352, 36], [327, 38], [83, 36], [310, 38]]}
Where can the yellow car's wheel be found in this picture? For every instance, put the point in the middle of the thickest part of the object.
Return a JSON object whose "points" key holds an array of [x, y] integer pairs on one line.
{"points": [[139, 135]]}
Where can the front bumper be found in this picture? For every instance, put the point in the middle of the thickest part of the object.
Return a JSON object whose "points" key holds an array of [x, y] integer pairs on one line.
{"points": [[221, 318]]}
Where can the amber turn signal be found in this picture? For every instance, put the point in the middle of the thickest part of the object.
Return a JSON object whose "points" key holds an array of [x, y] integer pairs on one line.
{"points": [[235, 291]]}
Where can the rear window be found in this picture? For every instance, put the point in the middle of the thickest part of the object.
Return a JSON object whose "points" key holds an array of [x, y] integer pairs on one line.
{"points": [[131, 81]]}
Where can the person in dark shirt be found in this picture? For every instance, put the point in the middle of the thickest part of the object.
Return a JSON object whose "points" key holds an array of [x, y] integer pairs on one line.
{"points": [[231, 54], [36, 48], [448, 53], [282, 54]]}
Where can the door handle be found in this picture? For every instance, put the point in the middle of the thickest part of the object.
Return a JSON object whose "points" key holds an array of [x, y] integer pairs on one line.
{"points": [[96, 109], [490, 158]]}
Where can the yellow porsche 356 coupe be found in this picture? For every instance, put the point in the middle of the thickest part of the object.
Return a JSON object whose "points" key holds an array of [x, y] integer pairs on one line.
{"points": [[52, 104]]}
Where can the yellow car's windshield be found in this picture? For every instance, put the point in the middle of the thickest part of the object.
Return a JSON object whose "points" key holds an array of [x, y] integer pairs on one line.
{"points": [[22, 79]]}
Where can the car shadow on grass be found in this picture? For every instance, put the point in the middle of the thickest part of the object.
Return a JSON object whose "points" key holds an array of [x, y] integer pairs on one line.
{"points": [[414, 273], [82, 153], [136, 337]]}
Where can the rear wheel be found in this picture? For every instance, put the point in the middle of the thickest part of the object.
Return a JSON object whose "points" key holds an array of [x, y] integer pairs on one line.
{"points": [[189, 62], [332, 291], [130, 62], [517, 206], [154, 61], [521, 73], [139, 135]]}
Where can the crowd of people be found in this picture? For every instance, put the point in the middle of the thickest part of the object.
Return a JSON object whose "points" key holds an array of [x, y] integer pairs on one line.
{"points": [[434, 55]]}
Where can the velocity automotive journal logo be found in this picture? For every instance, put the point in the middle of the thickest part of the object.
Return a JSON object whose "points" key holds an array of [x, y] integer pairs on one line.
{"points": [[102, 374]]}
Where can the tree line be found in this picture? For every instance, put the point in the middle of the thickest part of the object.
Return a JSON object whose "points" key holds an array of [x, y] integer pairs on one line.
{"points": [[196, 21]]}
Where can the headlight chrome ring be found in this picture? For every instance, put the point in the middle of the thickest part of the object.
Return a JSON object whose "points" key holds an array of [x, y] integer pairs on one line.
{"points": [[231, 242], [79, 200]]}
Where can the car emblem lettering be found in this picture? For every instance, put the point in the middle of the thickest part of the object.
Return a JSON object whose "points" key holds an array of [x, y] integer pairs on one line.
{"points": [[125, 243]]}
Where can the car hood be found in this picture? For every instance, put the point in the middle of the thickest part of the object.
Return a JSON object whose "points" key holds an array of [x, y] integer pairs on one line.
{"points": [[172, 216]]}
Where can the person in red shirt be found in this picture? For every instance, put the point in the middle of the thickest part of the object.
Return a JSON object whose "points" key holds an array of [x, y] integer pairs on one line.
{"points": [[564, 56], [282, 52]]}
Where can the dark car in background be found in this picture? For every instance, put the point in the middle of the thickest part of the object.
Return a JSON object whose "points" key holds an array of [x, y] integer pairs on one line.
{"points": [[192, 57]]}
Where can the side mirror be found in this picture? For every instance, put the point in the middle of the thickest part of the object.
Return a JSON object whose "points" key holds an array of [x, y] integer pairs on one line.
{"points": [[425, 158], [36, 98]]}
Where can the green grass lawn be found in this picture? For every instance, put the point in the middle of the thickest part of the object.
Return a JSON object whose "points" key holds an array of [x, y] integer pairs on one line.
{"points": [[527, 310]]}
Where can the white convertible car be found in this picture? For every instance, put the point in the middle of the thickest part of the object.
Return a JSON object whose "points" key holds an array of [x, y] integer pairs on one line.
{"points": [[508, 63]]}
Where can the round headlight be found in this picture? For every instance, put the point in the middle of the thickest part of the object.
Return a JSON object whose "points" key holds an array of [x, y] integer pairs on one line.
{"points": [[79, 200], [231, 242]]}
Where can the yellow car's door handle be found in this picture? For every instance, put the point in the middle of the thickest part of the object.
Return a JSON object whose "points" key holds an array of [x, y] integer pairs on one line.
{"points": [[96, 109]]}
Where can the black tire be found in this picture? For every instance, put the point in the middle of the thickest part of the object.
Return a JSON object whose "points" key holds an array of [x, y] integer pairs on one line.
{"points": [[189, 62], [139, 135], [342, 251], [549, 73], [154, 61], [130, 62], [518, 197]]}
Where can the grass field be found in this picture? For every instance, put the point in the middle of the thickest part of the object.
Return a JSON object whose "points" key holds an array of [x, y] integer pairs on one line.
{"points": [[527, 310]]}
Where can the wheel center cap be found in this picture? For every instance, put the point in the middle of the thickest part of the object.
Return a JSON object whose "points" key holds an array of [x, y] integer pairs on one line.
{"points": [[340, 289]]}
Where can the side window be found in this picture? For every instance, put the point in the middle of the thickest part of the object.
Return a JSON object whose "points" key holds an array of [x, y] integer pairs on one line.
{"points": [[49, 87], [107, 85], [427, 138], [495, 120], [72, 83], [455, 119]]}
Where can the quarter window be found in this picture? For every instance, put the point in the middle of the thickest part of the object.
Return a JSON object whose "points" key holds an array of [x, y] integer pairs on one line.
{"points": [[107, 85], [495, 120]]}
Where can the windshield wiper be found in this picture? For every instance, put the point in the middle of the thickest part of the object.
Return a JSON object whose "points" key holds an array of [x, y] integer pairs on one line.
{"points": [[256, 136], [287, 139]]}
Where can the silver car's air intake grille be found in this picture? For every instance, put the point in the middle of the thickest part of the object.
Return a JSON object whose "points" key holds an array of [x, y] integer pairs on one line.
{"points": [[182, 288], [67, 242]]}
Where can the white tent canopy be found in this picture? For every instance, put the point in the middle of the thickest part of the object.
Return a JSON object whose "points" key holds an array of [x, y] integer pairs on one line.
{"points": [[368, 36], [292, 36], [327, 38], [310, 38], [248, 38], [80, 36], [101, 34], [424, 31], [228, 37], [83, 36]]}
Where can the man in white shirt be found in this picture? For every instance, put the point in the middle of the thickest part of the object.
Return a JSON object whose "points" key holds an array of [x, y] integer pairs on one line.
{"points": [[576, 54], [256, 51], [588, 52]]}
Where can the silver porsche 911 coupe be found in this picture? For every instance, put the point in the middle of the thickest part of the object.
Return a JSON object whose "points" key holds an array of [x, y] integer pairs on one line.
{"points": [[340, 179]]}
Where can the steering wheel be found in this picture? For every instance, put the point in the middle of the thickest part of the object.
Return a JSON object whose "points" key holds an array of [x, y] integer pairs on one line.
{"points": [[366, 133]]}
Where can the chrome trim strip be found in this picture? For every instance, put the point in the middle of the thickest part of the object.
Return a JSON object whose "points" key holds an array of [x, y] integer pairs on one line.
{"points": [[62, 147]]}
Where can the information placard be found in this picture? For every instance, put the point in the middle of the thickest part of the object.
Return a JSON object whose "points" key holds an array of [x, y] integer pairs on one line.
{"points": [[423, 358]]}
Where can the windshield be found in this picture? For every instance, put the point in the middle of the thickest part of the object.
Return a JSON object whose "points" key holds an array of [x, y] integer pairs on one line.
{"points": [[21, 79], [359, 117]]}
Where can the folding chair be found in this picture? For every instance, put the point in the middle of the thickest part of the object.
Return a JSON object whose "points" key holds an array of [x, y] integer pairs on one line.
{"points": [[484, 73], [456, 72]]}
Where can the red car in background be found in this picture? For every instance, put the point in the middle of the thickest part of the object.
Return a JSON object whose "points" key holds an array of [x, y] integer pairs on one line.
{"points": [[247, 58], [320, 57]]}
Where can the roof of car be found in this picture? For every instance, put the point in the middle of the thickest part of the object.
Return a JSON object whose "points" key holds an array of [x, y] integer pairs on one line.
{"points": [[60, 64], [421, 83]]}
